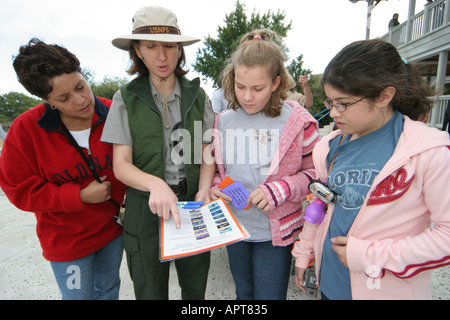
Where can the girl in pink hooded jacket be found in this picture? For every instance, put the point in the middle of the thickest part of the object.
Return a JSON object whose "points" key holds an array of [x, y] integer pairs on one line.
{"points": [[391, 176]]}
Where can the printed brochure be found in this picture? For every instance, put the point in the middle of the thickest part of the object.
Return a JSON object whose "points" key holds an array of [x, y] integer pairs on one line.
{"points": [[211, 226]]}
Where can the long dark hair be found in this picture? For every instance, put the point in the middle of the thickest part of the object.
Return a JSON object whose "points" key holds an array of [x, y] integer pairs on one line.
{"points": [[365, 68]]}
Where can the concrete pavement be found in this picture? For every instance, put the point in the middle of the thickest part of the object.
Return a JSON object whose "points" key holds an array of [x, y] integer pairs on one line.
{"points": [[26, 275]]}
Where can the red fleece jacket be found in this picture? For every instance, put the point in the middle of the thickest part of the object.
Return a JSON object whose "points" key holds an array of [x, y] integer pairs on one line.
{"points": [[41, 172]]}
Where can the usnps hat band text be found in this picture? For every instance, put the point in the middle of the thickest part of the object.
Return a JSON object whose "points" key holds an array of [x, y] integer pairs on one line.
{"points": [[157, 30]]}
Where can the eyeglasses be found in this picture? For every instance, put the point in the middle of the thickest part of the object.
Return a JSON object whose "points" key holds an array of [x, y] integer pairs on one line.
{"points": [[341, 107]]}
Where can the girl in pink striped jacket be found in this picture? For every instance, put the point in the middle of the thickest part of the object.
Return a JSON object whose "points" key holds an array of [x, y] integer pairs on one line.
{"points": [[265, 144]]}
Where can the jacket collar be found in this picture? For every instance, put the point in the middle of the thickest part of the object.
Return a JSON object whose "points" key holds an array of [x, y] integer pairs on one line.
{"points": [[51, 119], [189, 91]]}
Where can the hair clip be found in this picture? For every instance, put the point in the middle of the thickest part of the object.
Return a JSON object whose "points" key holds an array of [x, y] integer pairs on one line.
{"points": [[257, 37], [404, 60]]}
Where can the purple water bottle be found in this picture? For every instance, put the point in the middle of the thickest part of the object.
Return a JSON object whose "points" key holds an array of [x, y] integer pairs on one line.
{"points": [[315, 212]]}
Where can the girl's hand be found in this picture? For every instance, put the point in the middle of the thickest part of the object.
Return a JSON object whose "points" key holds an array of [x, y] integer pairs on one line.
{"points": [[259, 199], [340, 247], [203, 195], [96, 192], [216, 194], [299, 274]]}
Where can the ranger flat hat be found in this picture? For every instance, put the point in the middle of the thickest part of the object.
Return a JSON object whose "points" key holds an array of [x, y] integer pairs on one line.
{"points": [[155, 24]]}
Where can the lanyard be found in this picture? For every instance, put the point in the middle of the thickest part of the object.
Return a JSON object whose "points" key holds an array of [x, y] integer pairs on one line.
{"points": [[89, 162], [335, 155]]}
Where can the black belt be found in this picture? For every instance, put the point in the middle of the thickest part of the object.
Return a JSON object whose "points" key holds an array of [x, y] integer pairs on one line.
{"points": [[179, 189]]}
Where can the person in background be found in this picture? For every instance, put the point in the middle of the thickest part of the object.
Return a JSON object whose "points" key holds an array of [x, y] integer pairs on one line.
{"points": [[146, 117], [306, 99], [218, 101], [394, 21], [388, 171], [276, 175], [43, 170]]}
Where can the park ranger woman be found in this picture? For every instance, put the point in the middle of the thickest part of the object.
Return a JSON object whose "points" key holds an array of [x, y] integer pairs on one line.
{"points": [[144, 115]]}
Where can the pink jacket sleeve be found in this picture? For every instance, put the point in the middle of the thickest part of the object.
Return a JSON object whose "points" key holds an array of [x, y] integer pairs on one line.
{"points": [[303, 249]]}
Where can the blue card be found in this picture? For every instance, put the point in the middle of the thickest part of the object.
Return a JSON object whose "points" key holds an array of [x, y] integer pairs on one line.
{"points": [[238, 194]]}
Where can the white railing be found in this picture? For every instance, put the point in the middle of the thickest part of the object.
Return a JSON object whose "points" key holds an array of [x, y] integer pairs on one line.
{"points": [[424, 22], [418, 28], [436, 118], [437, 13]]}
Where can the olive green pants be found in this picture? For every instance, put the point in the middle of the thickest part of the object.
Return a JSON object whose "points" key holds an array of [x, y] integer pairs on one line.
{"points": [[151, 276]]}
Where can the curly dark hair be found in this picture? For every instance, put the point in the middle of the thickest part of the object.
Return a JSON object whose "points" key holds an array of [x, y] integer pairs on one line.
{"points": [[37, 63], [365, 68]]}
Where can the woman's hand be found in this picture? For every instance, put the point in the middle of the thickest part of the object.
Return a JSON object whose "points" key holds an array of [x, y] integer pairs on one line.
{"points": [[163, 201], [203, 195], [96, 192], [215, 194]]}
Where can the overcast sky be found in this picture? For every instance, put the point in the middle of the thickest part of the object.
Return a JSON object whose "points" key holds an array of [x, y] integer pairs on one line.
{"points": [[86, 27]]}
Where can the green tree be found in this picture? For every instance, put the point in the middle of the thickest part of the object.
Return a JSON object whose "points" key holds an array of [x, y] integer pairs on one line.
{"points": [[212, 59], [105, 88], [108, 86], [12, 104], [296, 70]]}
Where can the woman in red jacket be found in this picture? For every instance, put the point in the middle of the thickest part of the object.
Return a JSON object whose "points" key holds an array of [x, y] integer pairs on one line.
{"points": [[54, 165]]}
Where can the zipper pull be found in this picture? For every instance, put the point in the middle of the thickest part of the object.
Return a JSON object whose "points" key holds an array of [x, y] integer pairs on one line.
{"points": [[91, 161], [92, 166]]}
